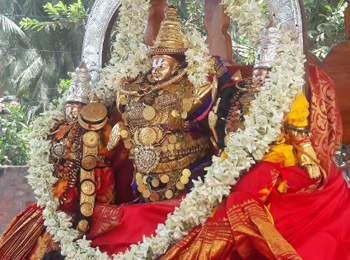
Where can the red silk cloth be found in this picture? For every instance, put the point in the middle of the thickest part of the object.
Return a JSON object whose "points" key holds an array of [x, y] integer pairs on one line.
{"points": [[316, 223], [325, 118], [135, 221]]}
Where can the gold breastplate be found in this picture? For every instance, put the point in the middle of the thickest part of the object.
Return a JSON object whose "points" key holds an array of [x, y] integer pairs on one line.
{"points": [[161, 148]]}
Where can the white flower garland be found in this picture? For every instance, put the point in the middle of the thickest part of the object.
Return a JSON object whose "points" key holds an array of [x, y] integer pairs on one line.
{"points": [[244, 148], [248, 16]]}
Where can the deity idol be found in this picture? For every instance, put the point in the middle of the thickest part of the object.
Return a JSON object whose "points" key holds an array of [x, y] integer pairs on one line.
{"points": [[155, 108]]}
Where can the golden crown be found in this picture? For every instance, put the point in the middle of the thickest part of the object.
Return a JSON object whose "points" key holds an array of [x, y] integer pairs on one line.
{"points": [[170, 38]]}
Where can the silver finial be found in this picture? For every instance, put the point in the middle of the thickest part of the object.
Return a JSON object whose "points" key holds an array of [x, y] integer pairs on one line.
{"points": [[80, 86], [266, 51]]}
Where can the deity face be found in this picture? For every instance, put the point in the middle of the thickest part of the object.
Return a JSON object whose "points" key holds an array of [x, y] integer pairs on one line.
{"points": [[259, 76], [73, 111], [163, 66]]}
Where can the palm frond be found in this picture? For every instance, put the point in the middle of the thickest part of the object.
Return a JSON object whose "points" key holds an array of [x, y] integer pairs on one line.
{"points": [[30, 73], [8, 26]]}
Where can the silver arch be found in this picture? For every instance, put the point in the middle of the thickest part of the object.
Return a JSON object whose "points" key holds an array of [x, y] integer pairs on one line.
{"points": [[96, 28], [286, 12]]}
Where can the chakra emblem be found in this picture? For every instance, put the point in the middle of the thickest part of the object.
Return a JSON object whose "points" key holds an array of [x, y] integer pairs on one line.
{"points": [[146, 158]]}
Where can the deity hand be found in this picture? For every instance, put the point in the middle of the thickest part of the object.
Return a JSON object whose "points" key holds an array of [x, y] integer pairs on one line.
{"points": [[305, 152], [114, 137], [259, 76], [72, 111], [163, 66]]}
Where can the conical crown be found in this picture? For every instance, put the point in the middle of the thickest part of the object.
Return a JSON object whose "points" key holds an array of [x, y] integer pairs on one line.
{"points": [[79, 88], [170, 38]]}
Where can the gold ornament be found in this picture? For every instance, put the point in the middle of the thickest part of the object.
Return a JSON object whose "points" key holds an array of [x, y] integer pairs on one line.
{"points": [[86, 209], [164, 178], [172, 139], [171, 147], [128, 144], [155, 183], [187, 104], [154, 196], [146, 194], [89, 162], [149, 113], [90, 139], [170, 38], [83, 225], [186, 173], [123, 100], [184, 180], [86, 175], [88, 187], [174, 114], [169, 194], [141, 188], [138, 176], [180, 186], [147, 136], [124, 134], [94, 113], [91, 126]]}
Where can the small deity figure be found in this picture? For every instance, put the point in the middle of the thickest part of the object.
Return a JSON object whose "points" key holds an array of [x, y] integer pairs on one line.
{"points": [[235, 103]]}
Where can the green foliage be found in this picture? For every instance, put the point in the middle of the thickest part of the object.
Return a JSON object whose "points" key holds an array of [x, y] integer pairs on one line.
{"points": [[325, 24], [63, 86], [60, 16], [14, 130], [32, 66]]}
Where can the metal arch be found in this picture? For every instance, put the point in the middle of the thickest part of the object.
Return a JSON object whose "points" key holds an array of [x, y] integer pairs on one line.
{"points": [[289, 14], [95, 35], [286, 12]]}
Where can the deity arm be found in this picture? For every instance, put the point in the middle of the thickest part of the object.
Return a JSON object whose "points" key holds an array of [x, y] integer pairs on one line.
{"points": [[296, 127]]}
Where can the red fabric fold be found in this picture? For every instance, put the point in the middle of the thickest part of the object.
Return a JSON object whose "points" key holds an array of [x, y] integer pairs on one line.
{"points": [[137, 220]]}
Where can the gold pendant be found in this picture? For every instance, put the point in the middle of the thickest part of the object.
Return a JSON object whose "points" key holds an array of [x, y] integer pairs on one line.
{"points": [[155, 183], [146, 194], [149, 113], [164, 178], [172, 139], [154, 196], [169, 194], [147, 136], [186, 173], [187, 104], [124, 134], [180, 186], [184, 180]]}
